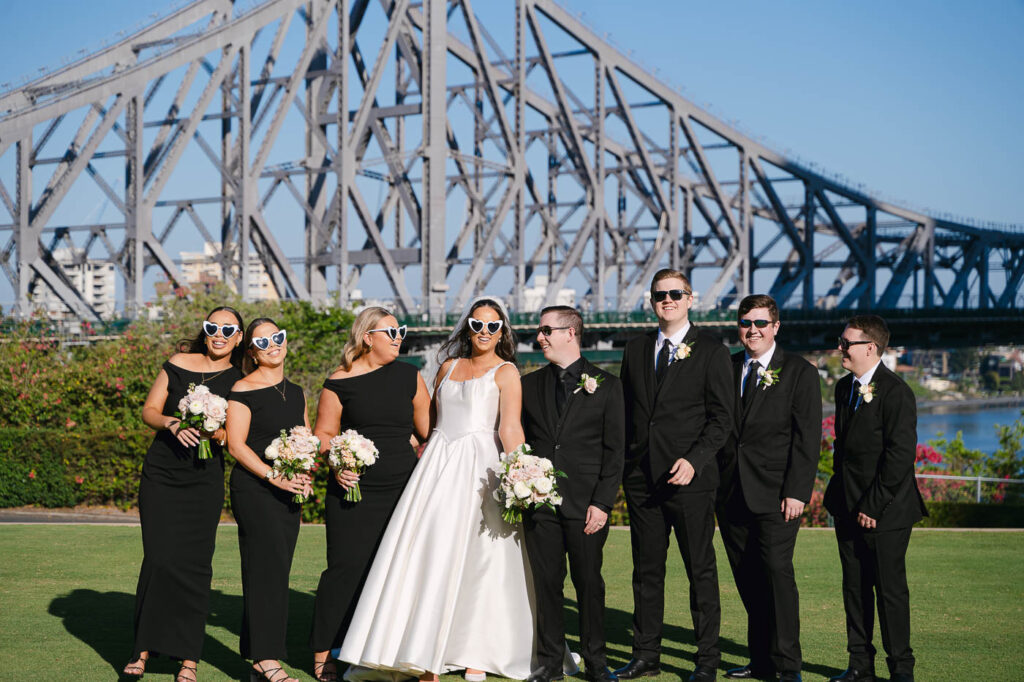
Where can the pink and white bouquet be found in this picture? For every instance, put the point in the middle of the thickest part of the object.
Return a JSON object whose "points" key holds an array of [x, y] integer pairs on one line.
{"points": [[204, 411], [294, 453], [525, 481], [352, 451]]}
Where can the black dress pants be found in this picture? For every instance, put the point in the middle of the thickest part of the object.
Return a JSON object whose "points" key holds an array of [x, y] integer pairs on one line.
{"points": [[874, 567], [691, 515], [549, 538], [760, 550]]}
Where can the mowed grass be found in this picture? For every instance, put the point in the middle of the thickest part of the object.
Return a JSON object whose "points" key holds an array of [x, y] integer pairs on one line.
{"points": [[67, 594]]}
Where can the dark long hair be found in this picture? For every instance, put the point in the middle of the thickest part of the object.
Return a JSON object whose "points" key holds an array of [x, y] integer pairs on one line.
{"points": [[249, 362], [198, 344], [459, 346]]}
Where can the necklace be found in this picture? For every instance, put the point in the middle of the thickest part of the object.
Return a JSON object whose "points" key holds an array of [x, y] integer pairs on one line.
{"points": [[281, 388], [211, 378]]}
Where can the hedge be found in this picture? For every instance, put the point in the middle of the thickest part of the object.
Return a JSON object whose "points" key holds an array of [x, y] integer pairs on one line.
{"points": [[973, 515]]}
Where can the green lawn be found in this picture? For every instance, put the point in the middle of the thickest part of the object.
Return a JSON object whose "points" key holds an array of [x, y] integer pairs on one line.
{"points": [[67, 592]]}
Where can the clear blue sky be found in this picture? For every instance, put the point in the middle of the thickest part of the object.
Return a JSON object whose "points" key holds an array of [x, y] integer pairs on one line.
{"points": [[920, 99]]}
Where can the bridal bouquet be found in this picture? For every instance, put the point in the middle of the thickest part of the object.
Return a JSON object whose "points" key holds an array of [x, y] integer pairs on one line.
{"points": [[294, 453], [525, 481], [355, 452], [204, 411]]}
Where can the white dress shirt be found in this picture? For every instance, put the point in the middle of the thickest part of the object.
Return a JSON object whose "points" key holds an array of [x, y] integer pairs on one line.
{"points": [[748, 366], [676, 340]]}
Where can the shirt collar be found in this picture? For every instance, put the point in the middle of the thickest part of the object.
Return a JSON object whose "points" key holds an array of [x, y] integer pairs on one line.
{"points": [[574, 371], [764, 360], [676, 339], [866, 378]]}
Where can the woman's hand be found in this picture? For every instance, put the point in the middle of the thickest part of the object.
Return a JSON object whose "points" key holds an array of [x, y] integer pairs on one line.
{"points": [[346, 479], [186, 435], [300, 485]]}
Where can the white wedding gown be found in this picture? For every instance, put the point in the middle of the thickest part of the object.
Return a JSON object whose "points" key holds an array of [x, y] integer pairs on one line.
{"points": [[450, 586]]}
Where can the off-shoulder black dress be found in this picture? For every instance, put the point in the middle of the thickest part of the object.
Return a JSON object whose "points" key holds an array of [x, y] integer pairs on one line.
{"points": [[180, 501], [268, 524], [378, 405]]}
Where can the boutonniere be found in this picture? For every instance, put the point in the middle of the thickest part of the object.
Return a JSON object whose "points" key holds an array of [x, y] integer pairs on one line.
{"points": [[867, 392], [588, 383], [683, 351], [768, 377]]}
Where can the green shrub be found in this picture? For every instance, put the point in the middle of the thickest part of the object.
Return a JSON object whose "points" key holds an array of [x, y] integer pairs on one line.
{"points": [[973, 515]]}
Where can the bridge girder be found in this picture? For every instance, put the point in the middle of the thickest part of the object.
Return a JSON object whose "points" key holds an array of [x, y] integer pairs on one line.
{"points": [[568, 159]]}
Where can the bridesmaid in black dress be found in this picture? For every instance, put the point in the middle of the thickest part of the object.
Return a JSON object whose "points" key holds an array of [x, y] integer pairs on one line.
{"points": [[387, 402], [260, 406], [180, 500]]}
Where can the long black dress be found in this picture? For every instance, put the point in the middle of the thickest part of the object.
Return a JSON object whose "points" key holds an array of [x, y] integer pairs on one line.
{"points": [[268, 524], [378, 405], [180, 501]]}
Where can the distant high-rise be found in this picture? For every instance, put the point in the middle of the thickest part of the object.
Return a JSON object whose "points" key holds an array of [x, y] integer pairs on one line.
{"points": [[203, 270], [93, 278]]}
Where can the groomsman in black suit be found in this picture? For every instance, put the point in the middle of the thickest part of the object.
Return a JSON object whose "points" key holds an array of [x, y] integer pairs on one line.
{"points": [[573, 415], [768, 467], [679, 394], [874, 498]]}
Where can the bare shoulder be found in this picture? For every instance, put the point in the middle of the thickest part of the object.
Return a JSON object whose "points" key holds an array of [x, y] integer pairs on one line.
{"points": [[184, 360], [340, 373], [507, 373]]}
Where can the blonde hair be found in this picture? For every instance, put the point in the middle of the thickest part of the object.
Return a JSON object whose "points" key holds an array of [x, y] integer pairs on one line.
{"points": [[356, 346]]}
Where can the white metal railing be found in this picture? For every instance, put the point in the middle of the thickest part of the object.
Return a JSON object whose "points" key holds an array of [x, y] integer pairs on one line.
{"points": [[977, 479]]}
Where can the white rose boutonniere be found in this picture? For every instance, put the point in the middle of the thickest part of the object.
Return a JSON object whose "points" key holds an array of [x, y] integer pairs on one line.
{"points": [[683, 351], [768, 377], [588, 383], [867, 392]]}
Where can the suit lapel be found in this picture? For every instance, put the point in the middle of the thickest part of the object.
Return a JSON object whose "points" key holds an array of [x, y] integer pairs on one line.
{"points": [[759, 389], [647, 362], [737, 375], [546, 399]]}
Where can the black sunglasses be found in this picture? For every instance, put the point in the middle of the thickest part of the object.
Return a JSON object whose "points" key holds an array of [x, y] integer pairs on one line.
{"points": [[674, 294], [476, 326], [846, 343], [263, 342], [760, 324], [393, 332], [227, 330], [547, 329]]}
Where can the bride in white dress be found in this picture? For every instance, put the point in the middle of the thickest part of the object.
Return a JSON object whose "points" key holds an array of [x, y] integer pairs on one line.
{"points": [[450, 587]]}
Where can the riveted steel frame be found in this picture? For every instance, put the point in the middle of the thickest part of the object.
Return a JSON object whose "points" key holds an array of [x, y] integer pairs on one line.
{"points": [[571, 161]]}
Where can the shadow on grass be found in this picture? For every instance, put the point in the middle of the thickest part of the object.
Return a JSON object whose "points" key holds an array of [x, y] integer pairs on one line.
{"points": [[676, 641], [103, 621]]}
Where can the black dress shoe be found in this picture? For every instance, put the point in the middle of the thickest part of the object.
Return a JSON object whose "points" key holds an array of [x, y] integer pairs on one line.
{"points": [[638, 668], [901, 677], [602, 674], [703, 673], [748, 673], [790, 677], [544, 675], [854, 675]]}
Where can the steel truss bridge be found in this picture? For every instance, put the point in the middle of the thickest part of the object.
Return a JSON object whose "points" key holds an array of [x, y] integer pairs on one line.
{"points": [[441, 151]]}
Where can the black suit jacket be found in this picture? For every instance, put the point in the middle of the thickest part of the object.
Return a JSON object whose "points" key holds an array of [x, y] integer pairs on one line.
{"points": [[772, 451], [587, 443], [875, 449], [688, 415]]}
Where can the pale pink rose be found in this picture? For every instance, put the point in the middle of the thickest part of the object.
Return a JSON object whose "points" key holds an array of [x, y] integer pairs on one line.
{"points": [[590, 385]]}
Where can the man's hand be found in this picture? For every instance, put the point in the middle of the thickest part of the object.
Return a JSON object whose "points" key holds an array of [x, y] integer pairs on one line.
{"points": [[792, 508], [596, 518], [682, 472], [866, 521]]}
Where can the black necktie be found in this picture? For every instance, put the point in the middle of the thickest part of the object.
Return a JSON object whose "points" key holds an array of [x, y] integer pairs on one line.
{"points": [[661, 366], [561, 397], [855, 395], [750, 383]]}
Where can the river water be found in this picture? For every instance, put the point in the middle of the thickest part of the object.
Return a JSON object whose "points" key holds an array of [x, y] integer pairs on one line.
{"points": [[978, 425]]}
